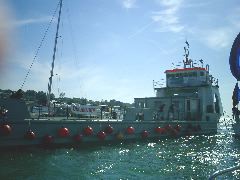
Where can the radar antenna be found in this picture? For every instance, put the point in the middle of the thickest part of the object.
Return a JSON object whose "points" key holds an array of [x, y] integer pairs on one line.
{"points": [[187, 61]]}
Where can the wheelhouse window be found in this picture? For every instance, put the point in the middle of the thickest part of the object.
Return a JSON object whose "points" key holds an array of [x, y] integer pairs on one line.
{"points": [[188, 105], [209, 108]]}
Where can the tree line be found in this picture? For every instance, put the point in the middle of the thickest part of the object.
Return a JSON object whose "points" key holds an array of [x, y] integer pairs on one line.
{"points": [[40, 98]]}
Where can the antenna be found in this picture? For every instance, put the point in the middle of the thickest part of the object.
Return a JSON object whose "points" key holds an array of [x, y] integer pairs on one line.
{"points": [[201, 61], [187, 61]]}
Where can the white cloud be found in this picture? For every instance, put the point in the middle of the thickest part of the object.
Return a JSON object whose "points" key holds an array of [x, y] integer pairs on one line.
{"points": [[128, 4], [216, 34], [31, 21], [168, 18], [170, 3], [217, 38]]}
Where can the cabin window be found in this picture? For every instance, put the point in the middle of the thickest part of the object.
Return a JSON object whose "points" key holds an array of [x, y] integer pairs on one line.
{"points": [[209, 108], [161, 108], [191, 74], [216, 103], [188, 105], [201, 73], [176, 104]]}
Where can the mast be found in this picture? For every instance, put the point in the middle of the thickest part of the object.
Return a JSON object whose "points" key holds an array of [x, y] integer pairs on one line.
{"points": [[53, 60]]}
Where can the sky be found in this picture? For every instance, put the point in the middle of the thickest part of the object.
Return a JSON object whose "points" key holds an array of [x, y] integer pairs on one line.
{"points": [[114, 49]]}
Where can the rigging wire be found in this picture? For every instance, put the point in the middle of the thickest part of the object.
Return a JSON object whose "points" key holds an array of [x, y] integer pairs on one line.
{"points": [[40, 45]]}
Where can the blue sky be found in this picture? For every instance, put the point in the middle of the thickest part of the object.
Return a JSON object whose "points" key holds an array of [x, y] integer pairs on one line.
{"points": [[113, 49]]}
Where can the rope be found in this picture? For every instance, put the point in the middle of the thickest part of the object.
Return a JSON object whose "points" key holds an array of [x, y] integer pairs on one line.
{"points": [[40, 45]]}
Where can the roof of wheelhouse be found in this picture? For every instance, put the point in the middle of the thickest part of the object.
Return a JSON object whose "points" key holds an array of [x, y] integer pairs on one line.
{"points": [[185, 69]]}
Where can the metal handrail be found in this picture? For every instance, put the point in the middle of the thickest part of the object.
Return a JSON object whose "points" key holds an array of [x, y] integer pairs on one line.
{"points": [[218, 173]]}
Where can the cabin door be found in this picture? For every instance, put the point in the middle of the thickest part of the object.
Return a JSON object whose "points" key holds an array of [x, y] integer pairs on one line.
{"points": [[192, 109]]}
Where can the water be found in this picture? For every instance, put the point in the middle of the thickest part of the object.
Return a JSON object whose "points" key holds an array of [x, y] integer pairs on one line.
{"points": [[194, 157]]}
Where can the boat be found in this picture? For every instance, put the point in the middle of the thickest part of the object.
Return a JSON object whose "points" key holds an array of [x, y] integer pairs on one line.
{"points": [[189, 104], [235, 70]]}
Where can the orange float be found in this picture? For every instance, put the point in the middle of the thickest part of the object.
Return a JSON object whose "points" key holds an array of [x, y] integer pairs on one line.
{"points": [[30, 135], [130, 130], [48, 139], [5, 129], [101, 135], [108, 129], [159, 130], [63, 132], [168, 127], [144, 134], [88, 131], [178, 127], [78, 137]]}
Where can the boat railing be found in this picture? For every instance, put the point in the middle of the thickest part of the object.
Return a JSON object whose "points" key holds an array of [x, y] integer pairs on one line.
{"points": [[224, 171]]}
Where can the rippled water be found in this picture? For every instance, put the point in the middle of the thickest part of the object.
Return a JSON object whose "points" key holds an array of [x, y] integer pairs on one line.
{"points": [[194, 157]]}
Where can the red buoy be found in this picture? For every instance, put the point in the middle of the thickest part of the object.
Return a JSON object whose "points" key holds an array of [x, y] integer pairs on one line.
{"points": [[101, 135], [144, 134], [63, 132], [78, 137], [48, 139], [30, 135], [88, 131], [159, 130], [108, 129], [6, 129], [178, 127], [168, 127], [130, 130]]}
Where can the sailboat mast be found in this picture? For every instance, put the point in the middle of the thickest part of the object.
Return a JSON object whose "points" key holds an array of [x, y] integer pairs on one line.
{"points": [[54, 55]]}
